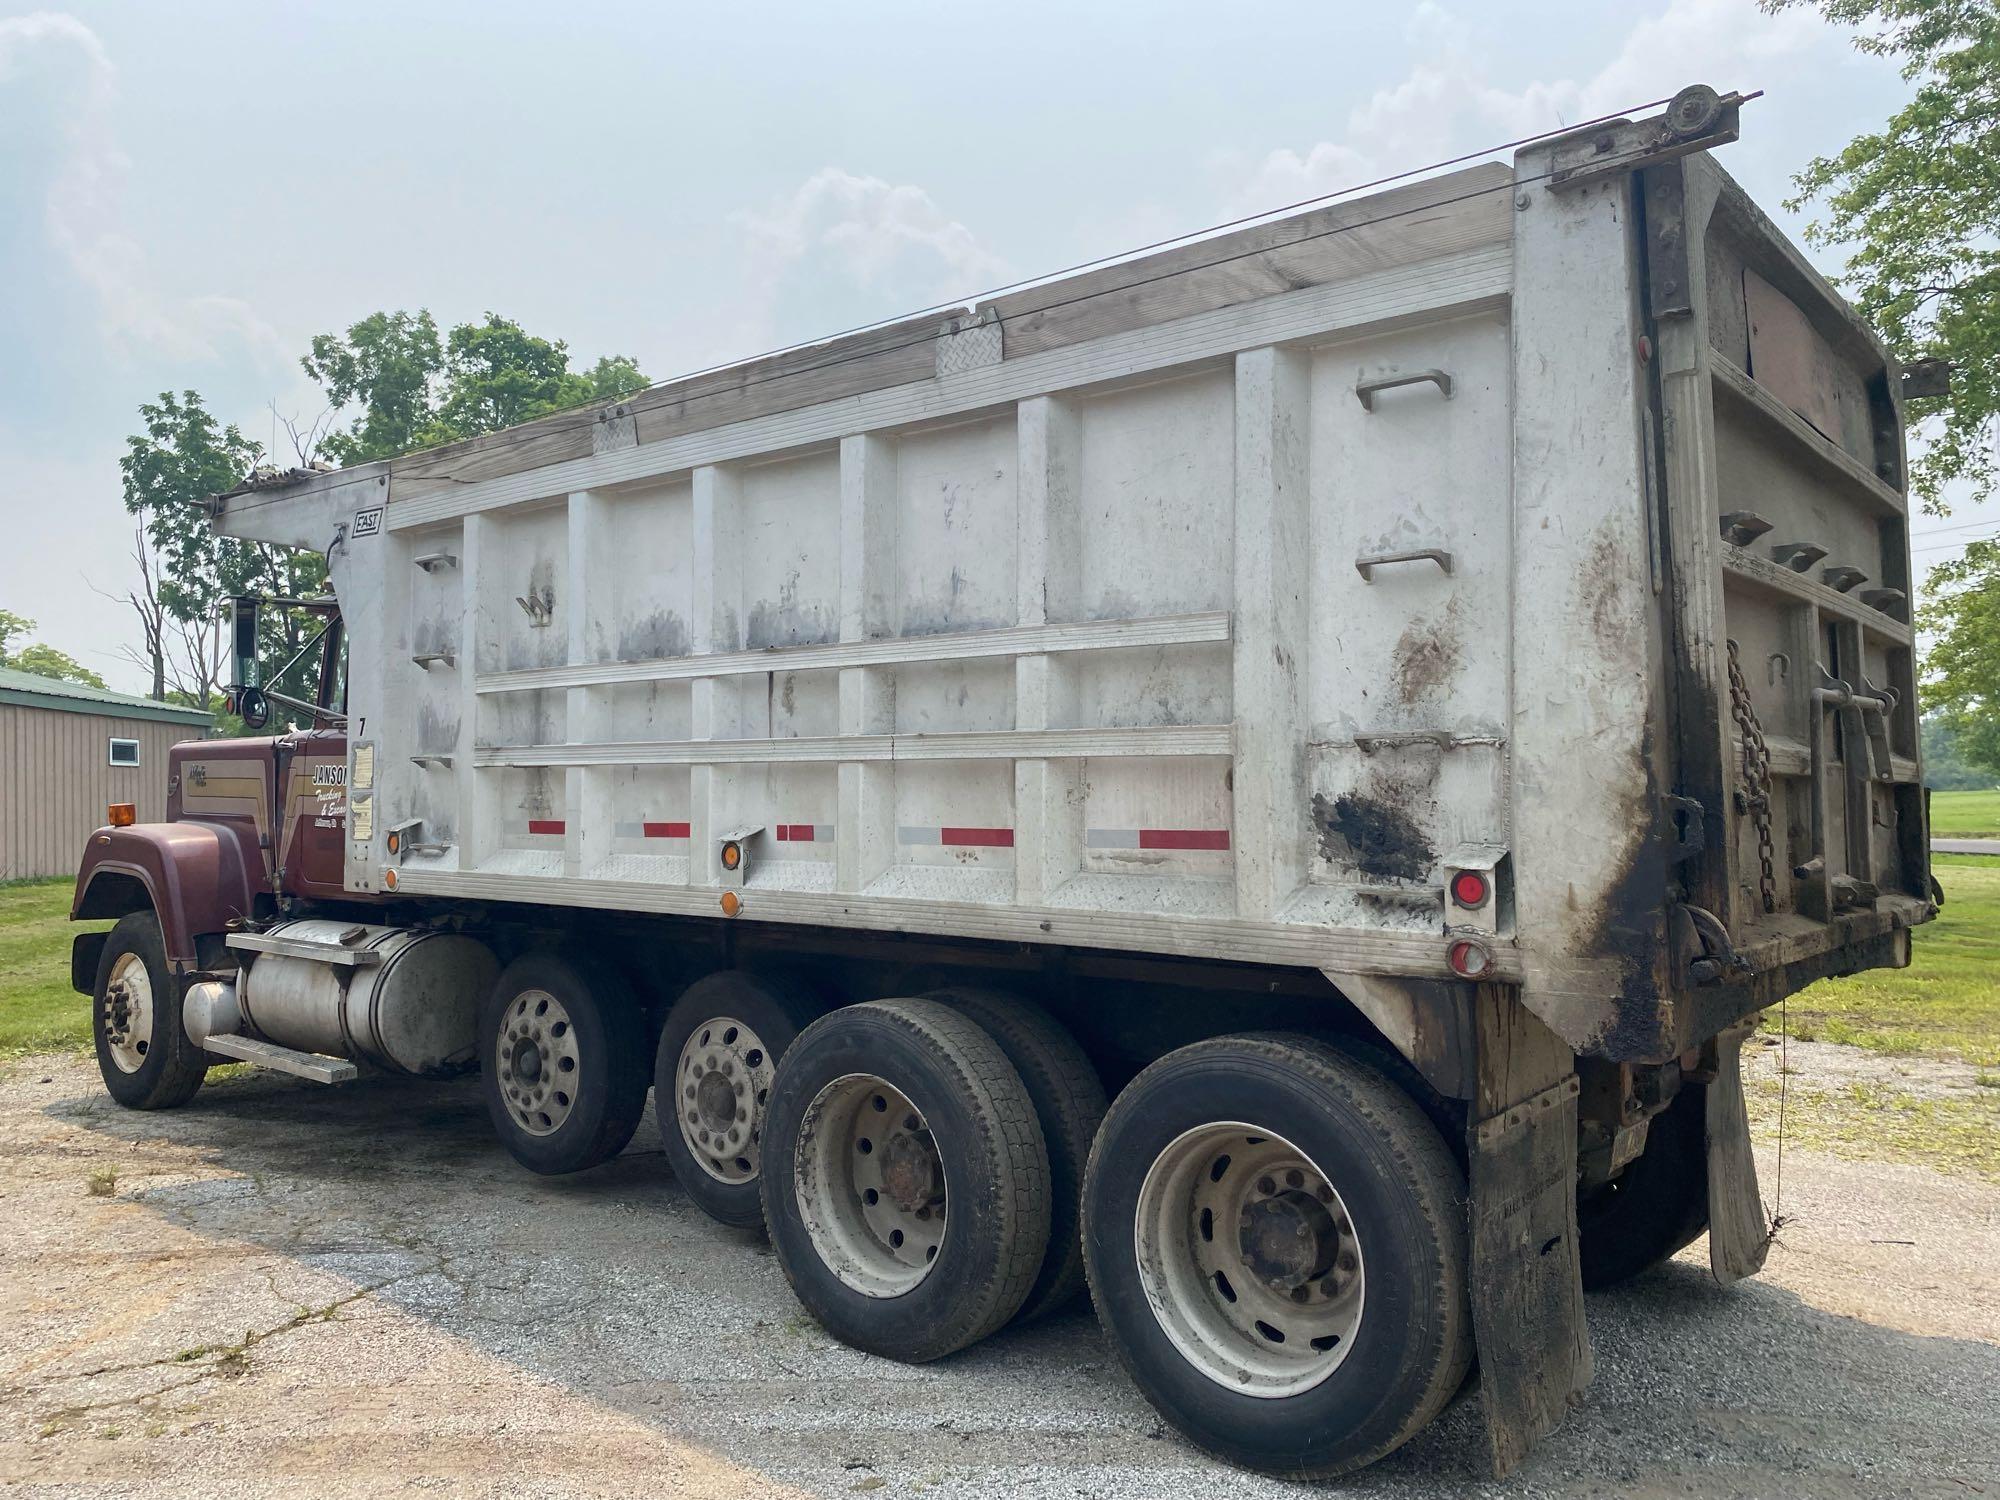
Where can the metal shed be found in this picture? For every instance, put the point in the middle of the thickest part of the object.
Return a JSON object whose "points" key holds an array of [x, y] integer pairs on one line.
{"points": [[66, 751]]}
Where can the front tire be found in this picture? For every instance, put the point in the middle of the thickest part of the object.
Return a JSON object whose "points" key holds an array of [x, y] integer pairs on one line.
{"points": [[143, 1052], [712, 1076], [1276, 1243], [906, 1183], [563, 1064]]}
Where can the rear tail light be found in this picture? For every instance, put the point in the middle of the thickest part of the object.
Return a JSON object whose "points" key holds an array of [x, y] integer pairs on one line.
{"points": [[1469, 958], [121, 815], [1469, 889]]}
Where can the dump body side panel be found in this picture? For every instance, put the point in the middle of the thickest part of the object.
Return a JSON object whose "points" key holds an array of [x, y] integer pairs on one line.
{"points": [[1220, 604]]}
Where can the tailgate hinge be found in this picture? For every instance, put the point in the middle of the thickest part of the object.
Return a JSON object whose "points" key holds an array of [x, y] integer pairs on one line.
{"points": [[1696, 119]]}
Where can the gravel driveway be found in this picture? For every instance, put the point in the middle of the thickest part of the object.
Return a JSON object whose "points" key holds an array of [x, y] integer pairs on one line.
{"points": [[294, 1290]]}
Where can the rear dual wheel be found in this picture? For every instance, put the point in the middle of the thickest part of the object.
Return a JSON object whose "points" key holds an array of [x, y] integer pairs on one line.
{"points": [[1277, 1248], [905, 1179], [562, 1042], [712, 1075], [1069, 1103]]}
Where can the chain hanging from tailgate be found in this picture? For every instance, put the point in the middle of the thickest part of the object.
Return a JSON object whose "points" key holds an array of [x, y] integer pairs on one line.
{"points": [[1756, 777]]}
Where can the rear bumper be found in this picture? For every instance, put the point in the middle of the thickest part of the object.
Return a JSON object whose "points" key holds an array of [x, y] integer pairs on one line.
{"points": [[1801, 952]]}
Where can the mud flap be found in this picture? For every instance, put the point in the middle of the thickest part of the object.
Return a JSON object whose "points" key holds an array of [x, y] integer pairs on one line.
{"points": [[1527, 1279], [1738, 1236]]}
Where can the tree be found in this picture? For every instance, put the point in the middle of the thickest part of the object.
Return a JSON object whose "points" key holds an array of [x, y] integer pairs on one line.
{"points": [[1962, 667], [390, 363], [1920, 203], [1945, 770], [187, 573], [414, 390], [614, 377], [498, 374], [42, 660]]}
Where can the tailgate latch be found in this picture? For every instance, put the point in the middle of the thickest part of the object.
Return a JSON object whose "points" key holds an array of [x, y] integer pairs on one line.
{"points": [[1701, 944]]}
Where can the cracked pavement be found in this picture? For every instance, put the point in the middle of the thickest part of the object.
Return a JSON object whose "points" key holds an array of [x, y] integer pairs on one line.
{"points": [[296, 1290]]}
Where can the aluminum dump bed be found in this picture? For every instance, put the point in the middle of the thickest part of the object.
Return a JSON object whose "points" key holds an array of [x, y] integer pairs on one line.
{"points": [[1228, 602]]}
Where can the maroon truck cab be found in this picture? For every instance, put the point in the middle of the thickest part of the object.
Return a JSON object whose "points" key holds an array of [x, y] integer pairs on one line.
{"points": [[249, 821]]}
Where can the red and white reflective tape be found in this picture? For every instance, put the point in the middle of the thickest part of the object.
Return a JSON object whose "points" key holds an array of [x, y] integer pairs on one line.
{"points": [[546, 826], [803, 833], [974, 838], [651, 830], [1156, 838]]}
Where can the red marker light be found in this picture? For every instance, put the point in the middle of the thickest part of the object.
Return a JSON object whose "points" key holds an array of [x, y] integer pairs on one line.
{"points": [[1469, 889]]}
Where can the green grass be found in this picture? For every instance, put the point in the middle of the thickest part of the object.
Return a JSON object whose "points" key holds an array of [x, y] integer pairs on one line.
{"points": [[1946, 1004], [1880, 1122], [1965, 815], [39, 1012]]}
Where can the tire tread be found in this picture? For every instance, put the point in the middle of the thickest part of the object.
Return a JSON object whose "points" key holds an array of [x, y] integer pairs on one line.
{"points": [[1424, 1163]]}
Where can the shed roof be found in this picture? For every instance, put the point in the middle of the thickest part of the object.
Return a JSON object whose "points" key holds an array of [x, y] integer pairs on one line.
{"points": [[33, 691]]}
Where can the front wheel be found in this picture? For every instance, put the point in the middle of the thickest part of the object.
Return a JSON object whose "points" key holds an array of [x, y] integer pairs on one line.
{"points": [[143, 1052], [561, 1044], [1277, 1248]]}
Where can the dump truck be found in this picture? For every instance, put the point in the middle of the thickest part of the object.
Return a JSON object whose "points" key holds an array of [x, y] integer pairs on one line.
{"points": [[1268, 781]]}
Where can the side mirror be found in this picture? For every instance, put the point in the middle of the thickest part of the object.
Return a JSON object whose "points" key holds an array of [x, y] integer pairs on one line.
{"points": [[252, 707], [244, 613]]}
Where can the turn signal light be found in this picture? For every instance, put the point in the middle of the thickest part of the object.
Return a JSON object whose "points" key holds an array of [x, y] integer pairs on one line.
{"points": [[1469, 889], [1469, 959], [121, 815]]}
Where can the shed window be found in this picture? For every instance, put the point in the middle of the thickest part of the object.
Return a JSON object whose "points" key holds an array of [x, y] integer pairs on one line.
{"points": [[124, 752]]}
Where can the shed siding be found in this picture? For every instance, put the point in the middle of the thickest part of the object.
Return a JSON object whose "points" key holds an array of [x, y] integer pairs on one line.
{"points": [[56, 780]]}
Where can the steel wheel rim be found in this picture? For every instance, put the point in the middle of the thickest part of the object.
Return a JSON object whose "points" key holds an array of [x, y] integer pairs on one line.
{"points": [[537, 1063], [871, 1186], [721, 1084], [1249, 1259], [128, 1013]]}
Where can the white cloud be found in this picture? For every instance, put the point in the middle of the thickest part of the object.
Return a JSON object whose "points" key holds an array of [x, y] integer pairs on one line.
{"points": [[82, 215], [871, 230], [1448, 103]]}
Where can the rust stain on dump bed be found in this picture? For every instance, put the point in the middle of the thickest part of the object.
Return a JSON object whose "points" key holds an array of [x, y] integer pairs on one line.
{"points": [[1373, 833], [1428, 655]]}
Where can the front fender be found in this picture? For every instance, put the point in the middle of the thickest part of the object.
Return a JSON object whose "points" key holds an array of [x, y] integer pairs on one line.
{"points": [[191, 874]]}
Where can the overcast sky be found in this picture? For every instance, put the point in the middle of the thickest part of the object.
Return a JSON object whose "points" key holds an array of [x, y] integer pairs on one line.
{"points": [[190, 191]]}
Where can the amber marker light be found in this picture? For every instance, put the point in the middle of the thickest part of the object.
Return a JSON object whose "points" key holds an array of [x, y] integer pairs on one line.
{"points": [[731, 902], [121, 815], [395, 842], [389, 879], [732, 855]]}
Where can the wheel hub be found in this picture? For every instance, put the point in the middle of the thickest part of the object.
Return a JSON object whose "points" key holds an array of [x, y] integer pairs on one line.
{"points": [[1249, 1259], [724, 1076], [715, 1101], [527, 1065], [912, 1175], [1288, 1239], [538, 1062], [128, 1013], [872, 1186]]}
